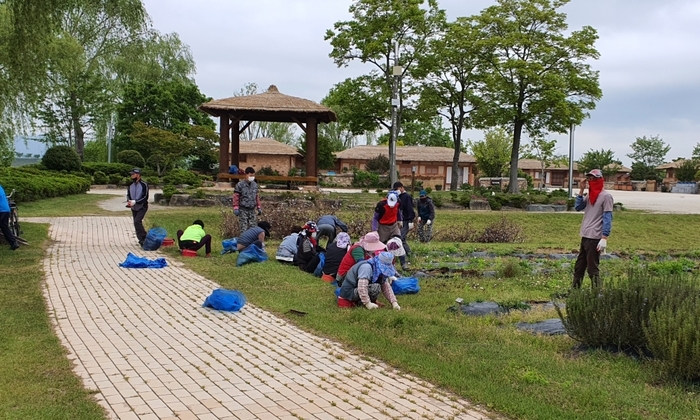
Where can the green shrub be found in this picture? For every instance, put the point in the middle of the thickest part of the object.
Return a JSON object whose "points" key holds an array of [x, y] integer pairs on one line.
{"points": [[181, 176], [100, 178], [115, 179], [61, 158], [428, 190], [465, 199], [437, 201], [519, 201], [378, 165], [32, 184], [168, 192], [199, 194], [673, 334], [495, 203], [131, 158], [267, 170], [364, 179], [121, 169]]}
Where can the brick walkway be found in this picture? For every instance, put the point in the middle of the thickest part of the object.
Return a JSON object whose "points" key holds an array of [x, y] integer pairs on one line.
{"points": [[141, 339]]}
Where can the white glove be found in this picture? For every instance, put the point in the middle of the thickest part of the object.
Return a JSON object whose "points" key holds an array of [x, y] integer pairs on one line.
{"points": [[371, 306], [400, 223], [132, 202], [428, 222], [410, 225], [396, 306], [391, 279], [602, 245], [419, 220]]}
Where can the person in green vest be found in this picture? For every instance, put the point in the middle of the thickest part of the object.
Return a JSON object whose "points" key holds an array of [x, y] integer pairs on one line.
{"points": [[194, 238]]}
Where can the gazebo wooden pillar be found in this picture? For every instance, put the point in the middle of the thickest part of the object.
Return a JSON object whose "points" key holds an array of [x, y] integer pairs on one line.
{"points": [[311, 147], [224, 143]]}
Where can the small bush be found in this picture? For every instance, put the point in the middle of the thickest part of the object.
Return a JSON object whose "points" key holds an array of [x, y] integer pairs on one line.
{"points": [[61, 158], [182, 176], [32, 184], [428, 190], [378, 165], [437, 201], [100, 178], [495, 203], [457, 233], [168, 192], [131, 158], [267, 170], [121, 169], [115, 179], [502, 231], [364, 179]]}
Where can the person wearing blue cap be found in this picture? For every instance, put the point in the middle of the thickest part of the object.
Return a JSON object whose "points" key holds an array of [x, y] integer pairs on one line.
{"points": [[367, 279], [426, 215]]}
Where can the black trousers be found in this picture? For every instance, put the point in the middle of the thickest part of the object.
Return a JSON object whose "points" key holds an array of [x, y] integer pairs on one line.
{"points": [[194, 246], [5, 229], [138, 222], [588, 259]]}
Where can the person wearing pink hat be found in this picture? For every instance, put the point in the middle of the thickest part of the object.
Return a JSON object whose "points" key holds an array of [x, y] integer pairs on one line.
{"points": [[597, 208], [366, 248], [367, 279]]}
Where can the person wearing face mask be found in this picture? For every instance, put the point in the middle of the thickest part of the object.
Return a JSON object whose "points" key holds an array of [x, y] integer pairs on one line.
{"points": [[426, 215], [597, 208], [387, 215], [137, 201], [308, 253], [246, 201]]}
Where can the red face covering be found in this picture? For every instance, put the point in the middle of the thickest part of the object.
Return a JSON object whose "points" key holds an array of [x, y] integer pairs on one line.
{"points": [[595, 186]]}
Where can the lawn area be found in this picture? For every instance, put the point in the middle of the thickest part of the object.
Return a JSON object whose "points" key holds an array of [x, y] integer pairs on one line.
{"points": [[71, 205], [36, 380], [486, 360]]}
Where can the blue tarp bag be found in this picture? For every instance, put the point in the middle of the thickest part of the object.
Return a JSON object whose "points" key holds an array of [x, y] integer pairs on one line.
{"points": [[252, 253], [322, 261], [229, 245], [233, 169], [225, 300], [132, 261], [405, 286], [154, 239]]}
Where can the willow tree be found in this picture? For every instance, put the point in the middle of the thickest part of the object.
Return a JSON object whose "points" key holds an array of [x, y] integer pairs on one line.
{"points": [[539, 78]]}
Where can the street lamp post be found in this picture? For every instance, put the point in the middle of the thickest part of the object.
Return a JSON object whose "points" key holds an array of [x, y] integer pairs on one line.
{"points": [[397, 70], [571, 160]]}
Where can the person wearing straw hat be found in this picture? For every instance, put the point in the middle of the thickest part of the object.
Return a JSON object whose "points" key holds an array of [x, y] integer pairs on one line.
{"points": [[597, 208], [367, 279], [367, 247], [387, 215]]}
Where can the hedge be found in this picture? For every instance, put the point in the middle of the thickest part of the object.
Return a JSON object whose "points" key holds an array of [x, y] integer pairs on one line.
{"points": [[121, 169], [32, 184]]}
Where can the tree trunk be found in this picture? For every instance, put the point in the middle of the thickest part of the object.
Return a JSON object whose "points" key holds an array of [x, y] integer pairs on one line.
{"points": [[77, 129], [513, 182], [457, 137]]}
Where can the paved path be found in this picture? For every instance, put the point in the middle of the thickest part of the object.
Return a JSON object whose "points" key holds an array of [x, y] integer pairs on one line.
{"points": [[141, 339]]}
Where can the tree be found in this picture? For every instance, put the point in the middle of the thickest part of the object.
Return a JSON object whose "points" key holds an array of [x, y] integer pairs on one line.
{"points": [[641, 172], [544, 150], [539, 79], [425, 133], [452, 68], [493, 153], [687, 169], [163, 148], [650, 151], [171, 106], [599, 159], [383, 34], [7, 151]]}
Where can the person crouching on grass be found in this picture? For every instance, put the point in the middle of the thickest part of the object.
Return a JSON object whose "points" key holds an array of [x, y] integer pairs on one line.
{"points": [[367, 279], [194, 237]]}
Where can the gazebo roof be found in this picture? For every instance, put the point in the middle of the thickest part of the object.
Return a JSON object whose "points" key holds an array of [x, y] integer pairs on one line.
{"points": [[269, 106]]}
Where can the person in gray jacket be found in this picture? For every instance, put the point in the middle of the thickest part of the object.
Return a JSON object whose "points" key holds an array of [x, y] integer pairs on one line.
{"points": [[368, 278], [137, 201], [327, 226]]}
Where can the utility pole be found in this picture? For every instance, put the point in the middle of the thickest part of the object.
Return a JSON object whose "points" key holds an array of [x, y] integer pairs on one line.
{"points": [[397, 70], [110, 136], [571, 160]]}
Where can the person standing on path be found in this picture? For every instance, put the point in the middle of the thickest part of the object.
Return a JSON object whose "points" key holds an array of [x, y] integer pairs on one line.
{"points": [[327, 226], [426, 215], [194, 237], [5, 220], [597, 209], [246, 201], [407, 216], [137, 201]]}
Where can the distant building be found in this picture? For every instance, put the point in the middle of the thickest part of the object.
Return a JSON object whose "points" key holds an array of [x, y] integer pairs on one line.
{"points": [[558, 175], [264, 152]]}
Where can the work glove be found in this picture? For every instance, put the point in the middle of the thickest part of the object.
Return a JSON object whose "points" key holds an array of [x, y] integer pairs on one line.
{"points": [[602, 245], [391, 279], [371, 305], [132, 202], [410, 225], [259, 211], [419, 220], [396, 306], [236, 212], [428, 222], [400, 223]]}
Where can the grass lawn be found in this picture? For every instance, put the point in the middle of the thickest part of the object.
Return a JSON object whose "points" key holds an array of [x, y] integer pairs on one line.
{"points": [[484, 359], [72, 205], [36, 380]]}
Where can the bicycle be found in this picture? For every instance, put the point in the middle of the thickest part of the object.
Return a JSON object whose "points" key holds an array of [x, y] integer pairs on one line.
{"points": [[13, 222]]}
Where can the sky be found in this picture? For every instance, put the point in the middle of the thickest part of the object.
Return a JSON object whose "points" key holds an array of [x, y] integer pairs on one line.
{"points": [[649, 59]]}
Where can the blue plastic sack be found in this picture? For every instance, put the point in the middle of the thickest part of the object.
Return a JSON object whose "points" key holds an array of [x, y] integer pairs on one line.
{"points": [[405, 286], [225, 300], [233, 169], [322, 261], [252, 253], [132, 261], [229, 245], [154, 239]]}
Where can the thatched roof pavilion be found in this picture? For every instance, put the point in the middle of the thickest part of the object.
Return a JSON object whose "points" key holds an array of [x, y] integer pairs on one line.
{"points": [[268, 106]]}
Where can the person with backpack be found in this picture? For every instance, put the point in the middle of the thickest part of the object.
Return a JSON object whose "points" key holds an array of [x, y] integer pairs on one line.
{"points": [[246, 201], [194, 238], [426, 215]]}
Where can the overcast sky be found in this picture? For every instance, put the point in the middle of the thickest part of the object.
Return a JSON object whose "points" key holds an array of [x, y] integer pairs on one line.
{"points": [[649, 65]]}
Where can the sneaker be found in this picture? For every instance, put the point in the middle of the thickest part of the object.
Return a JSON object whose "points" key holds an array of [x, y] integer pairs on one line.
{"points": [[15, 246], [404, 267]]}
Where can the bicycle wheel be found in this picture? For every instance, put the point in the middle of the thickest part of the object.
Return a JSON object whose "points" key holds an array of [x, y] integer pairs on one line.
{"points": [[14, 223]]}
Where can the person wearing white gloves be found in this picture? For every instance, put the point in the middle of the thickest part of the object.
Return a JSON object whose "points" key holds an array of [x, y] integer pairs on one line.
{"points": [[407, 215], [367, 279], [426, 215], [137, 201], [597, 208]]}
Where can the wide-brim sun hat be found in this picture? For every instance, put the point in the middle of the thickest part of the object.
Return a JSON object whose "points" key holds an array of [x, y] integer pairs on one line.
{"points": [[371, 242]]}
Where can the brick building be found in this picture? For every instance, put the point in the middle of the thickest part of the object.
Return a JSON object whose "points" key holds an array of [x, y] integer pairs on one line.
{"points": [[264, 152]]}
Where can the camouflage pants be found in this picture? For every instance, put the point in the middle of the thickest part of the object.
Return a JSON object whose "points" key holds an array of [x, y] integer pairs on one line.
{"points": [[425, 232], [247, 219]]}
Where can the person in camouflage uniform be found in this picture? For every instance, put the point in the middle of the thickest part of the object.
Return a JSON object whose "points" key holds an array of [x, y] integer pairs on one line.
{"points": [[246, 201]]}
